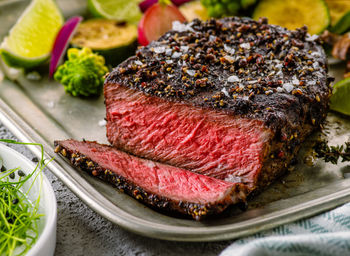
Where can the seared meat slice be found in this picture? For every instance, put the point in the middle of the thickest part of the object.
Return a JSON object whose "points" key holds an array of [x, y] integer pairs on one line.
{"points": [[155, 184]]}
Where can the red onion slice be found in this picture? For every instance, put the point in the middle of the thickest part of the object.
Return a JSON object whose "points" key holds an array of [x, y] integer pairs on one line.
{"points": [[144, 5], [180, 2], [62, 41]]}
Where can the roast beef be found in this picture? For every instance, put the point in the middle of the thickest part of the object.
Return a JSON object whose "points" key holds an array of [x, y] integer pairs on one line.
{"points": [[158, 185], [232, 99]]}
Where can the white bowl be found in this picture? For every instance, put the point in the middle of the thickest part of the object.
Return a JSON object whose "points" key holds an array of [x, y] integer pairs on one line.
{"points": [[45, 245]]}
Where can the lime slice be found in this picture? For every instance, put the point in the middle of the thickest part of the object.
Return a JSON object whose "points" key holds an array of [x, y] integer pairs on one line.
{"points": [[340, 99], [30, 40], [119, 10]]}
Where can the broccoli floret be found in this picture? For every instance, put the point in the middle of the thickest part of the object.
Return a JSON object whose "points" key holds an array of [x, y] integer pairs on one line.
{"points": [[82, 74], [221, 8]]}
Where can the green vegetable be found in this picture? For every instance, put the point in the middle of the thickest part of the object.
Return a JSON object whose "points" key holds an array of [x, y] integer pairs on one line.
{"points": [[337, 9], [18, 216], [343, 25], [220, 8], [82, 74], [340, 98], [115, 41], [294, 14]]}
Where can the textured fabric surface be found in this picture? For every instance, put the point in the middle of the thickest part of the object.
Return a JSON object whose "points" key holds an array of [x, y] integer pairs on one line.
{"points": [[325, 234]]}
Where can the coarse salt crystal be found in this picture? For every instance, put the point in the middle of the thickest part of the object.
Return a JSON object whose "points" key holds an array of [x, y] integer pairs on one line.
{"points": [[279, 89], [212, 38], [184, 48], [159, 49], [315, 65], [245, 45], [279, 66], [225, 92], [180, 27], [279, 73], [288, 87], [229, 58], [102, 122], [310, 38], [168, 52], [190, 72], [312, 82], [296, 81], [232, 79], [176, 55], [139, 63], [229, 49]]}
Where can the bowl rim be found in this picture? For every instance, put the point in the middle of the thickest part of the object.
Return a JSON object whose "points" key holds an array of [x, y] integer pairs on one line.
{"points": [[50, 212]]}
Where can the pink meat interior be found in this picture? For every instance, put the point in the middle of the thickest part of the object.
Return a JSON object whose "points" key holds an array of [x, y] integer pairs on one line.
{"points": [[156, 178], [201, 140]]}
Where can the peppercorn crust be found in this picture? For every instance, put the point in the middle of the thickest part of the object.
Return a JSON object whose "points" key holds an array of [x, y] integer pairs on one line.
{"points": [[237, 65]]}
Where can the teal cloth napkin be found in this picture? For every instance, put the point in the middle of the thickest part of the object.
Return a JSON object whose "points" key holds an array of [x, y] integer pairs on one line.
{"points": [[327, 234]]}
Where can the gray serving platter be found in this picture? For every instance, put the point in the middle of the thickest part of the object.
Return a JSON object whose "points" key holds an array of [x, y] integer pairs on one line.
{"points": [[37, 109]]}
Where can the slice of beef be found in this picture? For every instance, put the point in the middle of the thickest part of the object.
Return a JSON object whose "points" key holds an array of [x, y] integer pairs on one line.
{"points": [[232, 98], [155, 184]]}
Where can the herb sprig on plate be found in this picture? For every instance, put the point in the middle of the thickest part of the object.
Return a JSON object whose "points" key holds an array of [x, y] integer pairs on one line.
{"points": [[333, 153]]}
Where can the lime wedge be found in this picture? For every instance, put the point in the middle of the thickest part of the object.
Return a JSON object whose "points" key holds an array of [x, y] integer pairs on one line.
{"points": [[30, 40], [119, 10], [340, 100]]}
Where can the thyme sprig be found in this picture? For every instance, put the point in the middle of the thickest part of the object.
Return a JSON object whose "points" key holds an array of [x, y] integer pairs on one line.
{"points": [[333, 153]]}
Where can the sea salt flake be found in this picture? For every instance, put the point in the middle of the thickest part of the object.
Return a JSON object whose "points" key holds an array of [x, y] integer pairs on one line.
{"points": [[176, 55], [310, 38], [139, 63], [288, 87], [180, 27], [296, 82], [34, 76], [190, 72], [225, 92], [229, 49], [279, 73], [232, 79], [102, 122], [229, 58], [316, 54], [279, 89], [252, 81], [168, 52], [312, 82], [184, 48], [245, 45], [212, 38], [159, 49], [51, 104], [279, 66]]}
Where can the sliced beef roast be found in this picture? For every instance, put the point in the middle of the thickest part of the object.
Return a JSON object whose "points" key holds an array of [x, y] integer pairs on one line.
{"points": [[231, 99], [158, 185]]}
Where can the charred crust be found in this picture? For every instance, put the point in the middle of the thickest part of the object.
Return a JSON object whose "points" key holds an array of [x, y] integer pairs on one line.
{"points": [[195, 210], [194, 66]]}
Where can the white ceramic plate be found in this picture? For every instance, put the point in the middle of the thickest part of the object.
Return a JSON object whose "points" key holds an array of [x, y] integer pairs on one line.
{"points": [[45, 245]]}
